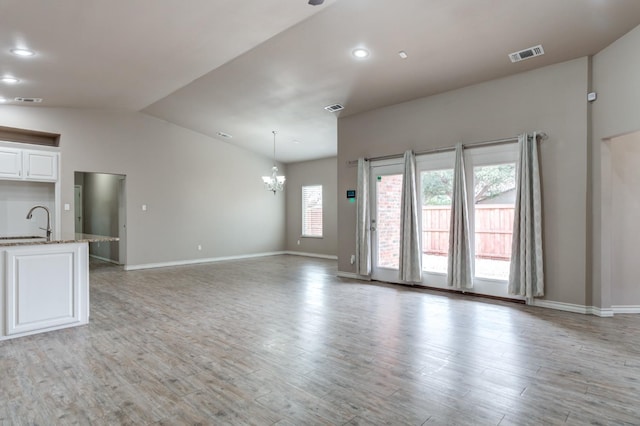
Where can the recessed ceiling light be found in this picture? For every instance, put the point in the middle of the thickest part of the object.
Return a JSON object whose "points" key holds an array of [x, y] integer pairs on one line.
{"points": [[224, 135], [9, 80], [22, 52], [403, 54], [360, 53], [3, 100]]}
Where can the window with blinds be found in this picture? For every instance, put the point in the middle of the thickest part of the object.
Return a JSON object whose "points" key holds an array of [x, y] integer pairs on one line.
{"points": [[312, 211]]}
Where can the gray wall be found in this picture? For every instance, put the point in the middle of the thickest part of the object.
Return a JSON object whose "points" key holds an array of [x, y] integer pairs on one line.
{"points": [[198, 190], [616, 79], [319, 172], [550, 99], [625, 226]]}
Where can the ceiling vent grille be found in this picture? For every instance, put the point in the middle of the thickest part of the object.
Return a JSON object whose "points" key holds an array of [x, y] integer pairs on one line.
{"points": [[28, 100], [531, 52], [334, 107]]}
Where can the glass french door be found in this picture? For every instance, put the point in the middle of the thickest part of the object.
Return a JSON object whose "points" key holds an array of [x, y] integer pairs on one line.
{"points": [[435, 174], [490, 182], [386, 193]]}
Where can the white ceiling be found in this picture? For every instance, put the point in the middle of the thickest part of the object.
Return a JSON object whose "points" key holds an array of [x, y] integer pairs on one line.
{"points": [[252, 66]]}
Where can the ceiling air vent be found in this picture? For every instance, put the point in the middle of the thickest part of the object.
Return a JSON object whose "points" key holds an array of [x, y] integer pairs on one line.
{"points": [[526, 53], [334, 107], [28, 100]]}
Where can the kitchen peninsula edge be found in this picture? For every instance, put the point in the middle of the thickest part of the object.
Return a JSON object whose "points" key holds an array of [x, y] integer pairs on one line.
{"points": [[44, 284]]}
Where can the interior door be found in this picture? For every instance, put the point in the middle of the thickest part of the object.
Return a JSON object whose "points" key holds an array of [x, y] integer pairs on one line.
{"points": [[386, 191]]}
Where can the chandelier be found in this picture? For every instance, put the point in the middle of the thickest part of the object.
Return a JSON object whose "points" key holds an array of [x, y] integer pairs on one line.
{"points": [[274, 182]]}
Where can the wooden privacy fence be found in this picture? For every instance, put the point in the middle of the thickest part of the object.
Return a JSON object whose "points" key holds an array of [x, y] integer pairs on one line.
{"points": [[493, 230]]}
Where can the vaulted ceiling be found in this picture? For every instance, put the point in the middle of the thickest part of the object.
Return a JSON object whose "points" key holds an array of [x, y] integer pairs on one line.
{"points": [[245, 68]]}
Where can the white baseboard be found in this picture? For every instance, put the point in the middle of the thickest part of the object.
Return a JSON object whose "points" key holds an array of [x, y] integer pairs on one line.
{"points": [[197, 261], [626, 309], [104, 259], [321, 256], [560, 306], [570, 307], [600, 312], [353, 275]]}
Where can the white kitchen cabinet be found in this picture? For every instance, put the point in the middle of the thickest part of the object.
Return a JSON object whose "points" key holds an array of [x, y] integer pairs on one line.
{"points": [[46, 288], [10, 163], [40, 165], [27, 164]]}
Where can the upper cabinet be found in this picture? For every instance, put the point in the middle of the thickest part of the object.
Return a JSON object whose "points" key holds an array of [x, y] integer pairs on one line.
{"points": [[40, 165], [10, 163], [26, 164]]}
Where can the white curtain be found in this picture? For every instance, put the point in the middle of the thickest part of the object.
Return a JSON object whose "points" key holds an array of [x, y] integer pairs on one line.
{"points": [[410, 253], [460, 266], [363, 225], [526, 276]]}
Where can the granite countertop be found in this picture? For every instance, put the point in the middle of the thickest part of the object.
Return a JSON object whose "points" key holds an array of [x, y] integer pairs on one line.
{"points": [[64, 239]]}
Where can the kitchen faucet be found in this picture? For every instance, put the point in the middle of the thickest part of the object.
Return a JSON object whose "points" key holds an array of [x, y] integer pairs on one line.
{"points": [[48, 228]]}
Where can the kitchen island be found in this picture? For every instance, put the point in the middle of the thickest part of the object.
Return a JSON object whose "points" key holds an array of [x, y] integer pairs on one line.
{"points": [[44, 283]]}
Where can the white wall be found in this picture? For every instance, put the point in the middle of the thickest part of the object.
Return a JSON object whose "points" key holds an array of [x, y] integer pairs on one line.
{"points": [[16, 198], [198, 190], [319, 172], [550, 99]]}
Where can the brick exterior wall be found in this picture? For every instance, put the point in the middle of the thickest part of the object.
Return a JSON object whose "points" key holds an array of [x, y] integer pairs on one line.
{"points": [[389, 193]]}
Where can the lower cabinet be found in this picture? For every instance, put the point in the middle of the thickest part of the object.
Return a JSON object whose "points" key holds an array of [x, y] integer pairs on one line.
{"points": [[46, 287]]}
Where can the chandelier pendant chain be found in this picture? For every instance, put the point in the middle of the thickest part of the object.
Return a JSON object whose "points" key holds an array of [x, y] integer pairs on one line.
{"points": [[274, 146]]}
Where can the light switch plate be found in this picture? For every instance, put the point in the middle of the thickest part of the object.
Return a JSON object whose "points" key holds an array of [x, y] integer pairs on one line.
{"points": [[67, 207]]}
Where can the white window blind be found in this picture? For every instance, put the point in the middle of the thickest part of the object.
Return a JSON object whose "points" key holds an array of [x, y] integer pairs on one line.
{"points": [[312, 211]]}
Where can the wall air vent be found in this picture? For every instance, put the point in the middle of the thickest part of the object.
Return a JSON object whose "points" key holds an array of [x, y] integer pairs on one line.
{"points": [[28, 100], [526, 53], [334, 107]]}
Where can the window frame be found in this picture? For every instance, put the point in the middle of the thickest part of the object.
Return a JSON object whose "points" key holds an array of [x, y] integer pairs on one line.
{"points": [[305, 208]]}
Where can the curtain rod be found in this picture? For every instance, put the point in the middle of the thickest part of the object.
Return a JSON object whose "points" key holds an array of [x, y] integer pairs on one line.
{"points": [[540, 136]]}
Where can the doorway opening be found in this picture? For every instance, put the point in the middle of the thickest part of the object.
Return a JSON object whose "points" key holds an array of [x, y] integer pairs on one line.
{"points": [[99, 206], [620, 227]]}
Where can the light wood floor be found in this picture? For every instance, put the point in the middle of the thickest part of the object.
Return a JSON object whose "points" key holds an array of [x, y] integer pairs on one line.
{"points": [[281, 340]]}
